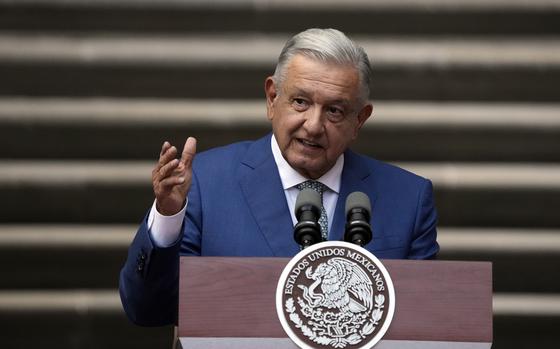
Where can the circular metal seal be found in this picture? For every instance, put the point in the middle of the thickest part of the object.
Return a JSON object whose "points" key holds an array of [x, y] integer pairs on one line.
{"points": [[335, 295]]}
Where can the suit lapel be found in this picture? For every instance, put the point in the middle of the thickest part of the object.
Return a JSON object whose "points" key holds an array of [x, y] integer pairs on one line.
{"points": [[262, 188], [353, 175]]}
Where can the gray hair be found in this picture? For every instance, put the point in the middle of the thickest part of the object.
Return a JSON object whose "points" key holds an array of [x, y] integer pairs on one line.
{"points": [[326, 45]]}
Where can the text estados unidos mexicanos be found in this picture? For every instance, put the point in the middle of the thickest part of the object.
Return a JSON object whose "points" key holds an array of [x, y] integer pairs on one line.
{"points": [[334, 252]]}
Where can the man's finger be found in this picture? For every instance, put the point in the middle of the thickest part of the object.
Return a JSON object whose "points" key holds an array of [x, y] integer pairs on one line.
{"points": [[166, 145], [189, 150], [166, 157], [172, 181], [168, 168]]}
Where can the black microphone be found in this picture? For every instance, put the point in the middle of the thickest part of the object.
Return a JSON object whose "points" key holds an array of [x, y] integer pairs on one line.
{"points": [[358, 213], [308, 231]]}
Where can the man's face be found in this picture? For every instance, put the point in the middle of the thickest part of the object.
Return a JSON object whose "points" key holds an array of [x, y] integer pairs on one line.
{"points": [[316, 113]]}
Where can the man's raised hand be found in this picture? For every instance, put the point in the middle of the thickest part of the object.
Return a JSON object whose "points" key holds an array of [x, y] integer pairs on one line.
{"points": [[172, 177]]}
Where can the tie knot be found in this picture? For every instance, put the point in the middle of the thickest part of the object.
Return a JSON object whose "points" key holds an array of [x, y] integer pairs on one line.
{"points": [[311, 184]]}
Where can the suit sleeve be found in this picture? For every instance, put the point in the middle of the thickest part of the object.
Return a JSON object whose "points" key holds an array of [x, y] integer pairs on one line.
{"points": [[148, 283], [149, 280], [424, 240]]}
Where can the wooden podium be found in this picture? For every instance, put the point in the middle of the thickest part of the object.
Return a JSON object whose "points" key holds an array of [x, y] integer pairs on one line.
{"points": [[229, 302]]}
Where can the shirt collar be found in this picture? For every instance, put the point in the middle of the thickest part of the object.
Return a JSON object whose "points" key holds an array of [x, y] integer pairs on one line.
{"points": [[290, 177]]}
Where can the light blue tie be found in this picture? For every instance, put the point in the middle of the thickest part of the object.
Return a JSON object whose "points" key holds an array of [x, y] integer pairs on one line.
{"points": [[320, 188]]}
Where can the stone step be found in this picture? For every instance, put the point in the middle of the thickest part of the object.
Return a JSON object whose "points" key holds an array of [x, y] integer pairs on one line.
{"points": [[246, 50], [525, 320], [90, 256], [63, 256], [410, 17], [524, 260], [109, 128], [235, 65], [73, 319], [508, 195], [94, 319]]}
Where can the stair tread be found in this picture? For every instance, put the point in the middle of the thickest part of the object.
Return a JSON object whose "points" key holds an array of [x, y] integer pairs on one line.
{"points": [[219, 112], [95, 236], [449, 175], [267, 4], [80, 301], [260, 49]]}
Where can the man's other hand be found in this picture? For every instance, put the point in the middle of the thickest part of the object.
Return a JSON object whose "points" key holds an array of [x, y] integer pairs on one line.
{"points": [[172, 177]]}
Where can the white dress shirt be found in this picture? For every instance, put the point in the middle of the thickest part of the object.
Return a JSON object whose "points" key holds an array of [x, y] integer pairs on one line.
{"points": [[291, 178], [165, 230]]}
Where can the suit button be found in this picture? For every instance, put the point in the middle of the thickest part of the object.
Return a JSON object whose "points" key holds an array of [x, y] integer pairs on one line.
{"points": [[142, 255]]}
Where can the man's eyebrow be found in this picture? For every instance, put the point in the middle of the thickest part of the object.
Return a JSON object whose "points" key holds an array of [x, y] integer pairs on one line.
{"points": [[299, 92], [344, 102]]}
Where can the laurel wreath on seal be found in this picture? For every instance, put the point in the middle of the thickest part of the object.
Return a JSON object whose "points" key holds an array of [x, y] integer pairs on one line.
{"points": [[352, 339]]}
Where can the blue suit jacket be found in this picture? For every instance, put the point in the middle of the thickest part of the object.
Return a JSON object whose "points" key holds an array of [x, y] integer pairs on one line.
{"points": [[237, 207]]}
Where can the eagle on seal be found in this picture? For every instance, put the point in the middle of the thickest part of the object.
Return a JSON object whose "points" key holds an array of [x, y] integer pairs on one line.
{"points": [[344, 285]]}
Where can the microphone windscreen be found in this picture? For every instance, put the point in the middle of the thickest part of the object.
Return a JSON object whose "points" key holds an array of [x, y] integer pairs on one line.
{"points": [[357, 200], [308, 197]]}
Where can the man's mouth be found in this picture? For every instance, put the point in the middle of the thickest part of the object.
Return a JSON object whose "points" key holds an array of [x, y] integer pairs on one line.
{"points": [[309, 143]]}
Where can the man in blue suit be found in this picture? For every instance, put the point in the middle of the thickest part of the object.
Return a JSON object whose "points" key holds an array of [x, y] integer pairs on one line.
{"points": [[239, 200]]}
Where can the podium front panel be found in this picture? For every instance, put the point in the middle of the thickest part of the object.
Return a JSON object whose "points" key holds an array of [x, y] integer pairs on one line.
{"points": [[229, 300]]}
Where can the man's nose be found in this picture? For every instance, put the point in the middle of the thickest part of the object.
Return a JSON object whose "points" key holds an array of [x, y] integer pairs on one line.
{"points": [[314, 121]]}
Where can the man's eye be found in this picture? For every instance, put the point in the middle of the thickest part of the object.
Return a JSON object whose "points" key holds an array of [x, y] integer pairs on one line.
{"points": [[335, 114], [299, 103], [334, 110]]}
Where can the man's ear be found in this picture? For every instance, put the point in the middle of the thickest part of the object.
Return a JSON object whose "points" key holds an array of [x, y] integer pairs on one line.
{"points": [[271, 94], [363, 115]]}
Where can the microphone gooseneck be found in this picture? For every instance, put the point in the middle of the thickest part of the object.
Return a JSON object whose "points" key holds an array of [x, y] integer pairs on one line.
{"points": [[358, 214], [308, 210]]}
